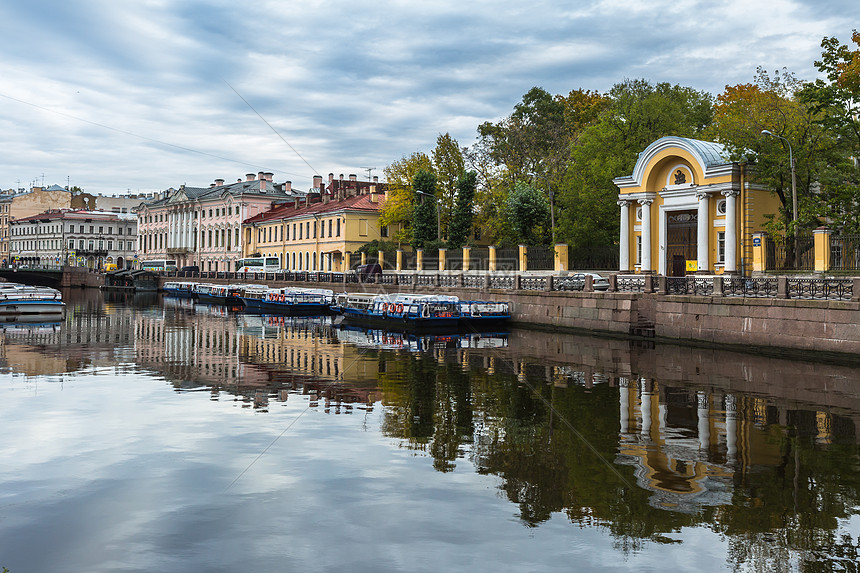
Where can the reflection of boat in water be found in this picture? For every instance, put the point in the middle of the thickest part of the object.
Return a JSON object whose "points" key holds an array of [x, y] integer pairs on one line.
{"points": [[30, 324], [21, 300], [419, 311], [388, 340], [271, 325]]}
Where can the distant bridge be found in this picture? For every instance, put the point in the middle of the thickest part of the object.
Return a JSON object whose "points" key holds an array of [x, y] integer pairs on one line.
{"points": [[55, 277]]}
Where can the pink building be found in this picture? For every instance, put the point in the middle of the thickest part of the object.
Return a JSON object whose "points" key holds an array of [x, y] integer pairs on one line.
{"points": [[201, 226]]}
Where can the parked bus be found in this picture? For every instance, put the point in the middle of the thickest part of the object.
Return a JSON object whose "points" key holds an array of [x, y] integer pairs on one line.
{"points": [[258, 265], [158, 265]]}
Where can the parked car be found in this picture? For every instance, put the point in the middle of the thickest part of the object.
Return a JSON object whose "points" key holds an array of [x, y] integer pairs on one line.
{"points": [[188, 271], [576, 281], [369, 273]]}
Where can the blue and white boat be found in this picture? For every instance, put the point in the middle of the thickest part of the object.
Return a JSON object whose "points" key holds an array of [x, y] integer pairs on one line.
{"points": [[401, 310], [17, 300], [482, 313], [288, 300], [180, 289]]}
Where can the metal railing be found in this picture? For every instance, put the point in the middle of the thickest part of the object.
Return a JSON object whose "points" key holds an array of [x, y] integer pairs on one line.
{"points": [[845, 252], [781, 256], [746, 287], [540, 258]]}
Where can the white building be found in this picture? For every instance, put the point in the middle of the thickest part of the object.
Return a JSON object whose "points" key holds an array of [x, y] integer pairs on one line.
{"points": [[90, 239]]}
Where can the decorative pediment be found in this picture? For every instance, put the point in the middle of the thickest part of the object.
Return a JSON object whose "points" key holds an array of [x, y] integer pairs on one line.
{"points": [[178, 197]]}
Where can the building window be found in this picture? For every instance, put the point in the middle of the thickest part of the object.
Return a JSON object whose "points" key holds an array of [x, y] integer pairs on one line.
{"points": [[362, 227], [300, 231], [101, 230], [638, 249], [338, 228], [721, 247], [81, 244], [72, 245], [110, 245], [383, 231], [721, 207]]}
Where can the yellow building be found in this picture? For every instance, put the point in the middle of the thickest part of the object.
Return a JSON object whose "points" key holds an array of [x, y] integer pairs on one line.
{"points": [[317, 233], [687, 208], [25, 204]]}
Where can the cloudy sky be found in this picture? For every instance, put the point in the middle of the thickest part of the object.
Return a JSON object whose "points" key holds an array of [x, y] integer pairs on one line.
{"points": [[142, 95]]}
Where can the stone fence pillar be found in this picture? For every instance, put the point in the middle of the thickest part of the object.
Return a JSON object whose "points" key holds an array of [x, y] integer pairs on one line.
{"points": [[443, 263], [524, 259], [467, 252], [561, 257], [419, 260], [491, 263], [759, 254], [399, 263], [821, 237], [380, 258]]}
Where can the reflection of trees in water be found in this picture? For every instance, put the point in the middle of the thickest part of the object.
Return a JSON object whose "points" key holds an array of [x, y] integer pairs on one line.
{"points": [[787, 493]]}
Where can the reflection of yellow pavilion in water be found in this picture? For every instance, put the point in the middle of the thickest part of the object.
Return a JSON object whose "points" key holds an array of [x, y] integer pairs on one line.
{"points": [[686, 469]]}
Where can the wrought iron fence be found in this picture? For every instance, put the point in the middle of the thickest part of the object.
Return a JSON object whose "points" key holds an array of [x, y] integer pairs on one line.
{"points": [[832, 289], [431, 262], [630, 284], [454, 259], [845, 252], [507, 259], [408, 261], [479, 258], [750, 287], [540, 258], [405, 279], [449, 280], [780, 253], [596, 258], [473, 281], [505, 282], [568, 283], [690, 285], [533, 283]]}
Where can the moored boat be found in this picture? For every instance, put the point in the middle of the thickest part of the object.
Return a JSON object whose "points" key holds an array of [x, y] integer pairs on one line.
{"points": [[482, 313], [180, 289], [288, 300], [400, 310], [17, 300]]}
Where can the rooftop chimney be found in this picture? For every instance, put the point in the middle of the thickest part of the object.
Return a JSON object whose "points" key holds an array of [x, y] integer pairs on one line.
{"points": [[352, 177], [317, 181], [269, 176], [288, 186], [330, 177], [249, 177], [261, 176], [219, 182], [376, 178]]}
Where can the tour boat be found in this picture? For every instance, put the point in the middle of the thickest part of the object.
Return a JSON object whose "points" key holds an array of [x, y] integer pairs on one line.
{"points": [[180, 289], [288, 300], [400, 310], [17, 300], [221, 294]]}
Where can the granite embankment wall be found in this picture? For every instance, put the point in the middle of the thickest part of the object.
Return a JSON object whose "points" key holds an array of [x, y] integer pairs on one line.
{"points": [[819, 326]]}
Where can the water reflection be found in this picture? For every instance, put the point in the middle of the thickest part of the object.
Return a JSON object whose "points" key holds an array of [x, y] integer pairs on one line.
{"points": [[645, 442]]}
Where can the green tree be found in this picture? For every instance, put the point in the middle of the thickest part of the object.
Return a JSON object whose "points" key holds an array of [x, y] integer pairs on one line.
{"points": [[772, 104], [528, 214], [424, 229], [636, 114], [836, 103], [448, 164], [399, 200], [460, 227]]}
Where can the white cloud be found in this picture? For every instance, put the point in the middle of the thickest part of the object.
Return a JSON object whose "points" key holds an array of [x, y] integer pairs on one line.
{"points": [[348, 84]]}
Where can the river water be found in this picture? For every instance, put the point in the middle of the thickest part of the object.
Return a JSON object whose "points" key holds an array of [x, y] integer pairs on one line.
{"points": [[155, 434]]}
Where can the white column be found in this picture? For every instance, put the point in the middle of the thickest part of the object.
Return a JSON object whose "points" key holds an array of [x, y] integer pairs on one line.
{"points": [[731, 232], [623, 403], [702, 235], [645, 263], [645, 404], [703, 412], [624, 246], [731, 427]]}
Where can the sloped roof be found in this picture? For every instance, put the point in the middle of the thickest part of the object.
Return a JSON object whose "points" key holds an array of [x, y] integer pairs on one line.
{"points": [[289, 211], [708, 154], [236, 189]]}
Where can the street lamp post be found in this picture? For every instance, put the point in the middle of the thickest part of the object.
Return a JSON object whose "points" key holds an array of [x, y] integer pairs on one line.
{"points": [[438, 213], [769, 133]]}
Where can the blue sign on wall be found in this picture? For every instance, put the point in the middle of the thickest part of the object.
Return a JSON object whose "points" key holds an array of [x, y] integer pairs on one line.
{"points": [[756, 241]]}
